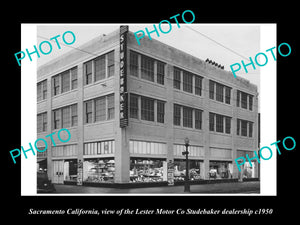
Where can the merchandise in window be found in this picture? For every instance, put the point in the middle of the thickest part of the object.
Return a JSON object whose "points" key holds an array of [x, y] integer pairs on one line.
{"points": [[146, 170], [99, 170], [220, 169], [249, 170], [196, 169]]}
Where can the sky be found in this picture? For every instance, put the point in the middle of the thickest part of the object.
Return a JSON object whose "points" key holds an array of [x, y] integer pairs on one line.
{"points": [[243, 39]]}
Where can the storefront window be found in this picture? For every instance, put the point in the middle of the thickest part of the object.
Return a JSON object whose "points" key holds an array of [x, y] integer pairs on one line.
{"points": [[99, 170], [196, 169], [248, 170], [146, 170], [220, 169], [70, 170]]}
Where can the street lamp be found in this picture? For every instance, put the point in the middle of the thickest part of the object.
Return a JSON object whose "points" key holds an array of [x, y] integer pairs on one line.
{"points": [[186, 153]]}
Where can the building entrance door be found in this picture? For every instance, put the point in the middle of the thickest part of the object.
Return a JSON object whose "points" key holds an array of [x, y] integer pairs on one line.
{"points": [[58, 171]]}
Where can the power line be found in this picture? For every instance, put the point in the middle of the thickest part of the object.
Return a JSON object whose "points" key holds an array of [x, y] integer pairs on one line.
{"points": [[229, 49], [69, 46]]}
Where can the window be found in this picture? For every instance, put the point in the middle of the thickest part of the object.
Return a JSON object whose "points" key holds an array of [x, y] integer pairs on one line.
{"points": [[227, 125], [250, 102], [219, 123], [133, 63], [56, 118], [177, 115], [56, 85], [198, 85], [160, 73], [218, 89], [42, 122], [211, 121], [89, 111], [244, 100], [242, 125], [134, 106], [160, 111], [88, 72], [99, 64], [187, 82], [74, 78], [177, 78], [238, 98], [111, 63], [74, 115], [100, 109], [147, 68], [219, 92], [227, 95], [244, 128], [42, 90], [65, 81], [110, 106], [147, 109], [238, 125], [187, 117], [66, 119], [250, 129], [198, 119], [211, 89]]}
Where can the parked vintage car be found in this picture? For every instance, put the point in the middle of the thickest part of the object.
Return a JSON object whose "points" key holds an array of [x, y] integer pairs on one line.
{"points": [[44, 185]]}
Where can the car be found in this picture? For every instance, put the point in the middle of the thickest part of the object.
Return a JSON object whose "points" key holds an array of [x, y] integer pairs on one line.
{"points": [[44, 185]]}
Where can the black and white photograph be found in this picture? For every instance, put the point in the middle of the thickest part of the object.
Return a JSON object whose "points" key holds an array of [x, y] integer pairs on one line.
{"points": [[169, 115], [140, 111]]}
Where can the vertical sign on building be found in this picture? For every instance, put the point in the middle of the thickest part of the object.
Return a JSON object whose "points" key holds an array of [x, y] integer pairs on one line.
{"points": [[123, 77]]}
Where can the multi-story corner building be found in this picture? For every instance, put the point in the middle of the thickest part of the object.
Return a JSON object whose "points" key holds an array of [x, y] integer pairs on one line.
{"points": [[129, 107]]}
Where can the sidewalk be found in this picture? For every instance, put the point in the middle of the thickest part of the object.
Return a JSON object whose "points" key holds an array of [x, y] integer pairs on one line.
{"points": [[252, 187]]}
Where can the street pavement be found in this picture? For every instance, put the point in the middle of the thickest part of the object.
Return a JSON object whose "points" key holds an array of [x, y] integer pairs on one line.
{"points": [[252, 187]]}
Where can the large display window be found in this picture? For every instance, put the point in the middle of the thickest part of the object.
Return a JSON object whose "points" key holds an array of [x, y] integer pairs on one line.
{"points": [[99, 170], [249, 171], [196, 169], [146, 170], [220, 169]]}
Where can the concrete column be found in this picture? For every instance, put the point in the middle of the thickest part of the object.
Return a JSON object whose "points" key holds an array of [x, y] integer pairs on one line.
{"points": [[205, 127], [122, 156], [49, 129], [80, 116], [169, 112], [235, 172]]}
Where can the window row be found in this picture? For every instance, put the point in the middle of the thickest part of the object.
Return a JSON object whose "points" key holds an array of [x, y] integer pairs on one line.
{"points": [[65, 117], [219, 92], [99, 68], [187, 81], [244, 100], [143, 108], [187, 117], [99, 109], [219, 123], [64, 81], [99, 148], [193, 150], [64, 150], [145, 67], [244, 128], [147, 147]]}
